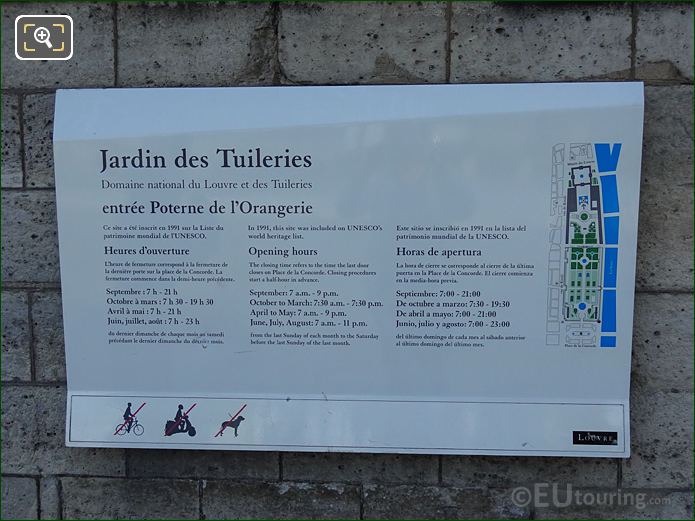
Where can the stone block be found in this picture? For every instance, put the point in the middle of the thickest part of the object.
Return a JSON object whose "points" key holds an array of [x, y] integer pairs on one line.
{"points": [[92, 62], [103, 498], [428, 502], [224, 500], [664, 41], [50, 497], [360, 468], [665, 243], [360, 42], [38, 140], [19, 498], [11, 142], [16, 355], [49, 343], [502, 472], [500, 42], [182, 44], [662, 440], [662, 349], [33, 437], [203, 464], [29, 237]]}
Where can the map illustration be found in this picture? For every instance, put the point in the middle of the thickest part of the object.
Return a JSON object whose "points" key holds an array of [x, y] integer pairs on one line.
{"points": [[583, 254]]}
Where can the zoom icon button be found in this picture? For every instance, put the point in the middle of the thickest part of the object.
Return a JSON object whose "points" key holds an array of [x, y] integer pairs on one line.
{"points": [[43, 37]]}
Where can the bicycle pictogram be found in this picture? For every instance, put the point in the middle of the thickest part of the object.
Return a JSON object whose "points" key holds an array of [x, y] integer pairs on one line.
{"points": [[135, 428], [130, 422]]}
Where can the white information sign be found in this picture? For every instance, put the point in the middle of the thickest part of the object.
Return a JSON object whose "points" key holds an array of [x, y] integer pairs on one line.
{"points": [[411, 269]]}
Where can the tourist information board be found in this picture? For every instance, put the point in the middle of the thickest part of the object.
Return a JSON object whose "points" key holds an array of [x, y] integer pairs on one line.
{"points": [[407, 269]]}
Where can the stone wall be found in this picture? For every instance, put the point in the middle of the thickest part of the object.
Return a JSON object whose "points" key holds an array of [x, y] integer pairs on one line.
{"points": [[227, 44]]}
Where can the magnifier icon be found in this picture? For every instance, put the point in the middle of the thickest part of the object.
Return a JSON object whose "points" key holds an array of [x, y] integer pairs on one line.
{"points": [[42, 35]]}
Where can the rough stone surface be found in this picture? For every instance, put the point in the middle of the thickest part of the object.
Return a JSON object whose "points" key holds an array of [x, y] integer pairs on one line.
{"points": [[91, 64], [502, 472], [190, 45], [662, 350], [513, 42], [50, 497], [29, 237], [49, 343], [428, 502], [360, 468], [11, 171], [100, 498], [280, 500], [356, 42], [33, 437], [38, 139], [203, 464], [19, 498], [662, 440], [636, 504], [664, 41], [16, 356], [665, 242]]}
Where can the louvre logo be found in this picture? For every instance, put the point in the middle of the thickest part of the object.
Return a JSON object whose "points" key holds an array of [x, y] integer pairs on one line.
{"points": [[594, 438]]}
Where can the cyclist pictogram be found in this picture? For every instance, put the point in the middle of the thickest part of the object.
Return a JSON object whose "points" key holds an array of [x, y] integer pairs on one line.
{"points": [[130, 422]]}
